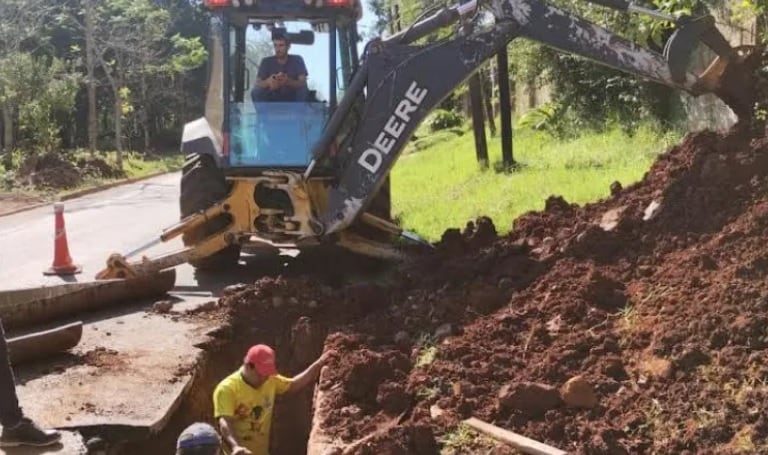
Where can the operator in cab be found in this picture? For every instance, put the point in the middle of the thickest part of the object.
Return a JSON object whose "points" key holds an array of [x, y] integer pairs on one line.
{"points": [[283, 76]]}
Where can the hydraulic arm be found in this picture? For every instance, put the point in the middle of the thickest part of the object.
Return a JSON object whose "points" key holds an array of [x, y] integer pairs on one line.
{"points": [[397, 85], [404, 82]]}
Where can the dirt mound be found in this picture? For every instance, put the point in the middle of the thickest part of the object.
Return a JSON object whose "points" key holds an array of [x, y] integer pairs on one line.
{"points": [[635, 324], [98, 168], [57, 171], [50, 170]]}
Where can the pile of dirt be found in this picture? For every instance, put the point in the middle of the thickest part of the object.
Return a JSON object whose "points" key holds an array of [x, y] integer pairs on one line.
{"points": [[60, 171], [103, 358], [96, 167], [50, 170], [636, 324]]}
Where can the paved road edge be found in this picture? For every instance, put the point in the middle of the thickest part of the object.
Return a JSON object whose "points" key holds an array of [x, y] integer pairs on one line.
{"points": [[87, 191]]}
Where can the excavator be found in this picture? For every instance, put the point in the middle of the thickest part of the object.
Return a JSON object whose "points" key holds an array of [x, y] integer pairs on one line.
{"points": [[314, 171]]}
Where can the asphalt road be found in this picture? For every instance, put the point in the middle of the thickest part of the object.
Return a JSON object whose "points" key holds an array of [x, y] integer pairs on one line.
{"points": [[145, 350], [114, 220]]}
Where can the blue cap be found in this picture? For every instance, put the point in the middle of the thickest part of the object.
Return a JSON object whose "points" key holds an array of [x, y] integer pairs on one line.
{"points": [[197, 435]]}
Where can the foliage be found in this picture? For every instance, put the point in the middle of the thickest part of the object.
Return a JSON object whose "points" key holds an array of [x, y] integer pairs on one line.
{"points": [[442, 119], [40, 88], [380, 10], [151, 49]]}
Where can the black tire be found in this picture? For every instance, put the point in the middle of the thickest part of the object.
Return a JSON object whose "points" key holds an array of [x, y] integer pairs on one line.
{"points": [[202, 185]]}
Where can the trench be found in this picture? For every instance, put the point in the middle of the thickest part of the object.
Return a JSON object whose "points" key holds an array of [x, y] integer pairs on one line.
{"points": [[293, 415], [298, 341]]}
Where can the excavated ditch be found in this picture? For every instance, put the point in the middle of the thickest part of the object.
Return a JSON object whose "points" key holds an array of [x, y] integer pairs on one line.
{"points": [[248, 315], [632, 325], [636, 324]]}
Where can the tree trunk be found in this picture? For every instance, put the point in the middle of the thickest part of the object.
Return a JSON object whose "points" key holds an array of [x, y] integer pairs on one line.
{"points": [[118, 113], [8, 139], [143, 112], [487, 95], [117, 110], [93, 122]]}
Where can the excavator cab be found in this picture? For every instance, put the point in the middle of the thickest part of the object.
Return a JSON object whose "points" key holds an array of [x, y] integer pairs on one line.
{"points": [[244, 139], [277, 128], [250, 134]]}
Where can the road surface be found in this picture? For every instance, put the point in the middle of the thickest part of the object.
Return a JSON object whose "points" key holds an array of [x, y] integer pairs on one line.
{"points": [[131, 376], [114, 220]]}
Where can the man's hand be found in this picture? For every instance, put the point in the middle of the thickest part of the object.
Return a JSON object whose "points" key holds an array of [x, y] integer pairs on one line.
{"points": [[274, 84], [240, 450], [325, 356], [311, 374]]}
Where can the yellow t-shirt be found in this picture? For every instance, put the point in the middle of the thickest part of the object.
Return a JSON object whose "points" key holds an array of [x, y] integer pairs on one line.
{"points": [[251, 408]]}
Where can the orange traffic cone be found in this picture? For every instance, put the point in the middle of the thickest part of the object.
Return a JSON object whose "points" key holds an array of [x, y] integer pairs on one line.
{"points": [[62, 262]]}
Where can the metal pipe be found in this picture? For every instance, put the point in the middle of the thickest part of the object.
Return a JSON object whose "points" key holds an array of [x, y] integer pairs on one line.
{"points": [[332, 58], [146, 246], [445, 16]]}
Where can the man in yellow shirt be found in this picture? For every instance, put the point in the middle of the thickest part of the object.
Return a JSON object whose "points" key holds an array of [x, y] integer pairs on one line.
{"points": [[244, 401]]}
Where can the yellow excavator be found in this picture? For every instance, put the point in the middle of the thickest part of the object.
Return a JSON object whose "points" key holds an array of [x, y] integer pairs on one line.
{"points": [[310, 167]]}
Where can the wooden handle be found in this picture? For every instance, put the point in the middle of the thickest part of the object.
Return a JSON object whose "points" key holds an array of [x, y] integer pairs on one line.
{"points": [[520, 442]]}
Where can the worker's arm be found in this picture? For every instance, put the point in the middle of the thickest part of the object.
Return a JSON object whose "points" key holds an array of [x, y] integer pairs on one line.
{"points": [[226, 427], [265, 78], [301, 71], [310, 375], [224, 410], [263, 83]]}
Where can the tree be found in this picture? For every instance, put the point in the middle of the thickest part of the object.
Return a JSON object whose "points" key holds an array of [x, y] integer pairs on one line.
{"points": [[380, 9], [21, 24], [132, 47], [90, 64], [38, 87]]}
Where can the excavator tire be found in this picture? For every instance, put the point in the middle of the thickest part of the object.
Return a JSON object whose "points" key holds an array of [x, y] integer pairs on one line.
{"points": [[202, 185]]}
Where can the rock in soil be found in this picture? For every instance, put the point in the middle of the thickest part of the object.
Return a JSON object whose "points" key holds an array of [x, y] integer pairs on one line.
{"points": [[577, 392], [528, 398]]}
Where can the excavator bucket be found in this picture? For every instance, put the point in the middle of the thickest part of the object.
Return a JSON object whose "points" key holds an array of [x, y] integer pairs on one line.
{"points": [[20, 308], [730, 75]]}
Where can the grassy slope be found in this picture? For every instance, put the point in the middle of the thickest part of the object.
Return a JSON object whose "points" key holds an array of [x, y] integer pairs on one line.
{"points": [[442, 186]]}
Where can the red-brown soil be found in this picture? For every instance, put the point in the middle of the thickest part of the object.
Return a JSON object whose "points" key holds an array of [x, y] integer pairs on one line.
{"points": [[608, 328]]}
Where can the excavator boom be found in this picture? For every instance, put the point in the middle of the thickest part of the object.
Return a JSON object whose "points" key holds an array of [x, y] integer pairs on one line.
{"points": [[397, 85], [405, 81]]}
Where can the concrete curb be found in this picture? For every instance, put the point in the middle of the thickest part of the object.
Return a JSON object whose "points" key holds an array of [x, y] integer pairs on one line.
{"points": [[87, 191]]}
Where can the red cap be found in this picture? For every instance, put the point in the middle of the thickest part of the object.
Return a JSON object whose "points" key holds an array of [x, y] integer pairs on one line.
{"points": [[262, 357]]}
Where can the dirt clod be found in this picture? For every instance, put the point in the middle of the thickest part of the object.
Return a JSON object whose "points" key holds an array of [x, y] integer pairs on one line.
{"points": [[528, 398], [577, 392]]}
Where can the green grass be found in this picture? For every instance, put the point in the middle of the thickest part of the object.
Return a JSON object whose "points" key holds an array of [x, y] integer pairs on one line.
{"points": [[442, 185], [137, 165]]}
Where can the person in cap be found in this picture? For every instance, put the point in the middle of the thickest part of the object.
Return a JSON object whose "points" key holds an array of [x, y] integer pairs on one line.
{"points": [[198, 439], [244, 401]]}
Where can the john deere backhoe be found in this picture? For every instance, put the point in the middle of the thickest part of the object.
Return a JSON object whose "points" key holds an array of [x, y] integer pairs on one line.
{"points": [[314, 171]]}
